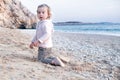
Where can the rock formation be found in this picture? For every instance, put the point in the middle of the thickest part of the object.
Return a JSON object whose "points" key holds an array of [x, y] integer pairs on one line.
{"points": [[14, 15]]}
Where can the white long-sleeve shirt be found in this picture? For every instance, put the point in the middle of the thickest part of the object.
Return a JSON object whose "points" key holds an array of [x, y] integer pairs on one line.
{"points": [[44, 30]]}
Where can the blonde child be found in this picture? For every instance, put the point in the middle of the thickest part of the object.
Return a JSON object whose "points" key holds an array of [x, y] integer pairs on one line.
{"points": [[43, 37]]}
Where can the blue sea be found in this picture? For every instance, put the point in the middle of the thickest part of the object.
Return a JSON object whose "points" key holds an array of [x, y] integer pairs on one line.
{"points": [[106, 29]]}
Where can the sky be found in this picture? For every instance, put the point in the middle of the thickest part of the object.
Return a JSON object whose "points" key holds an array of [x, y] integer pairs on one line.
{"points": [[79, 10]]}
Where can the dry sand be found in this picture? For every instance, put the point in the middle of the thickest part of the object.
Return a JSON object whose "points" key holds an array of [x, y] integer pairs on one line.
{"points": [[92, 57]]}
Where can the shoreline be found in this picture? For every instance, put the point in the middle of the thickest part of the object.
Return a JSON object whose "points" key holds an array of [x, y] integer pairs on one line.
{"points": [[32, 32], [94, 33]]}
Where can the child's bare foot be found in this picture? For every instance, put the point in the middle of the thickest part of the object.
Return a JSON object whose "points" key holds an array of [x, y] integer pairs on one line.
{"points": [[58, 62], [64, 59]]}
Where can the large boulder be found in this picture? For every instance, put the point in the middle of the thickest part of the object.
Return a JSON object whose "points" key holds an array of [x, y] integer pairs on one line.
{"points": [[14, 15]]}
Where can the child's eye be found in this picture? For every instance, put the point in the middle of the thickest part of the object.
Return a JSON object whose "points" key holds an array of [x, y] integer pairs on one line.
{"points": [[38, 12]]}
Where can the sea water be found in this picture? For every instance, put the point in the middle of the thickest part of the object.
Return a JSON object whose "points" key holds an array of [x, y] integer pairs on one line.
{"points": [[104, 29]]}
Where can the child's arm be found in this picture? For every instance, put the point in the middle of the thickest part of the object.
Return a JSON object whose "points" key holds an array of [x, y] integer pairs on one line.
{"points": [[35, 37]]}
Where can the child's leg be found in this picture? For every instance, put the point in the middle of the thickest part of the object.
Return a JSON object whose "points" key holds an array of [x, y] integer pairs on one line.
{"points": [[47, 60], [44, 54]]}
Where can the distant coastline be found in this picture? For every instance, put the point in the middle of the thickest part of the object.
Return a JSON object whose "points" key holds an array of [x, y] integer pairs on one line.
{"points": [[83, 23]]}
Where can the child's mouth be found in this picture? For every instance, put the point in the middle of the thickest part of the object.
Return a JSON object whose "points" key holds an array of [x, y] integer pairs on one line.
{"points": [[40, 17]]}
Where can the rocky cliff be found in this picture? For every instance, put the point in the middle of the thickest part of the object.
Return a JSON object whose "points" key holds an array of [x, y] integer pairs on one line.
{"points": [[14, 15]]}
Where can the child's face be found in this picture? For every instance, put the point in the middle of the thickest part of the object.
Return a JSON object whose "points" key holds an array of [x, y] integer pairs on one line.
{"points": [[42, 13]]}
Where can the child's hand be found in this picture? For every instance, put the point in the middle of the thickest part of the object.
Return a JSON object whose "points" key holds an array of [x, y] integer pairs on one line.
{"points": [[36, 43], [31, 45]]}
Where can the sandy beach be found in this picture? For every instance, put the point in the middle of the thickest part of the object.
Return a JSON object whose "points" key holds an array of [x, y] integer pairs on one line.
{"points": [[92, 57]]}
